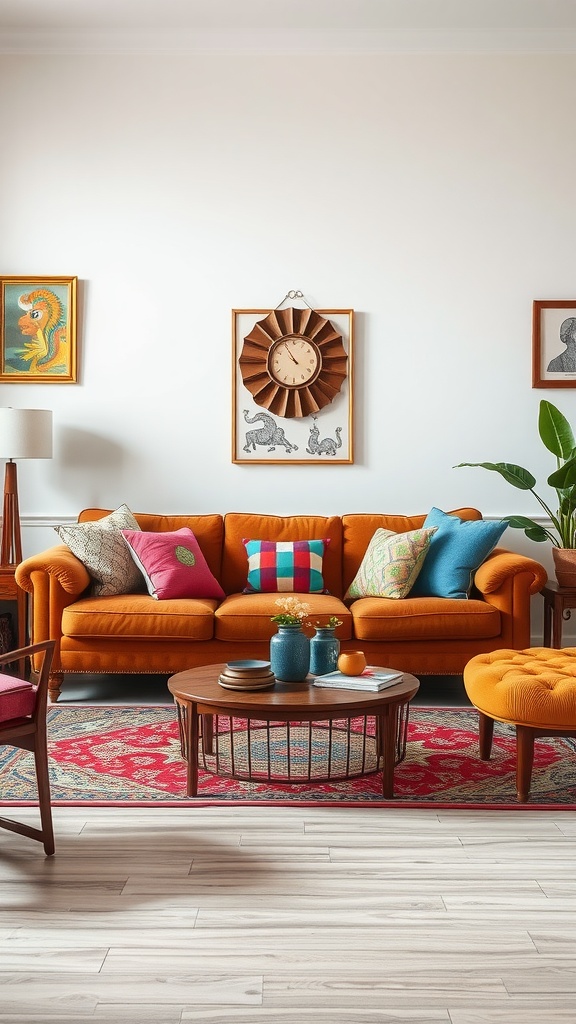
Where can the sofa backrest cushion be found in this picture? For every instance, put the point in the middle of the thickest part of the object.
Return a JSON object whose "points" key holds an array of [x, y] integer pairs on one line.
{"points": [[208, 530], [240, 525], [359, 528]]}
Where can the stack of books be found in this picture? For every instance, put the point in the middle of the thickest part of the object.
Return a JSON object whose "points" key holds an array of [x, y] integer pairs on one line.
{"points": [[372, 678]]}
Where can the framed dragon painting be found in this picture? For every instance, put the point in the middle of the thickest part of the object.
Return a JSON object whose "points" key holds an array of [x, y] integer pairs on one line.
{"points": [[38, 330]]}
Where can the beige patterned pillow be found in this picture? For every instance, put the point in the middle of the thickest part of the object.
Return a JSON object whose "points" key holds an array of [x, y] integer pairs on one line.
{"points": [[103, 550], [391, 564]]}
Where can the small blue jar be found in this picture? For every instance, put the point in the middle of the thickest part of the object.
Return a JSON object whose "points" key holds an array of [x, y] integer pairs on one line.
{"points": [[290, 653], [324, 651]]}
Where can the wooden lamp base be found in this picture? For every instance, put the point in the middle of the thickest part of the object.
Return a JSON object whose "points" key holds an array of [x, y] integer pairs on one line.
{"points": [[11, 549]]}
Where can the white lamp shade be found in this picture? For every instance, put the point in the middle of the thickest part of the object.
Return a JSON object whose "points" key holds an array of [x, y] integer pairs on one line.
{"points": [[25, 433]]}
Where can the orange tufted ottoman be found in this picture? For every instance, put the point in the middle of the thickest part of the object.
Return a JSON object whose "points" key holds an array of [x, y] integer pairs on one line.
{"points": [[535, 690]]}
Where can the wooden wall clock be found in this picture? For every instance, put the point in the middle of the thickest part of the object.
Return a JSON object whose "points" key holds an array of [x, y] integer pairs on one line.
{"points": [[293, 362]]}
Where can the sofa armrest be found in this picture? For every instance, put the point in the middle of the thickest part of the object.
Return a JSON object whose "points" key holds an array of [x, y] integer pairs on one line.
{"points": [[59, 563], [507, 581], [55, 578], [502, 565]]}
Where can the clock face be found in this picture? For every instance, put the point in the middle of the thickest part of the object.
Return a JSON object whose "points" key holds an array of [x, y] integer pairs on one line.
{"points": [[294, 361]]}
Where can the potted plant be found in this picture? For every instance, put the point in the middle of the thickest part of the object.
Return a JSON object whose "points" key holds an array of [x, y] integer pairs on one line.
{"points": [[557, 436]]}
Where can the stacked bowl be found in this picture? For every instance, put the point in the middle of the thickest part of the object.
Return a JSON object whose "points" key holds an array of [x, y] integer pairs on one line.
{"points": [[247, 675]]}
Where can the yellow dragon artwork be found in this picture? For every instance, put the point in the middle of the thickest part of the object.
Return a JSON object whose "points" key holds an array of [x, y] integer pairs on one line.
{"points": [[44, 321]]}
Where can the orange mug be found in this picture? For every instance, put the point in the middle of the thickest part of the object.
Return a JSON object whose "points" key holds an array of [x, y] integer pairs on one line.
{"points": [[352, 663]]}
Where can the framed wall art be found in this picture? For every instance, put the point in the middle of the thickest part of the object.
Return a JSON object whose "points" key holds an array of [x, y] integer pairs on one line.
{"points": [[554, 343], [292, 386], [38, 330]]}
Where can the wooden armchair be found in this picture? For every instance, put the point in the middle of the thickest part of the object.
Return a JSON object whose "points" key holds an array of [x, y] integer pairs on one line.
{"points": [[23, 724]]}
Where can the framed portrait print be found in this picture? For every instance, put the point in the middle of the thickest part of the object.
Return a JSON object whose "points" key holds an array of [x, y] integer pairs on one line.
{"points": [[292, 386], [554, 343], [38, 330]]}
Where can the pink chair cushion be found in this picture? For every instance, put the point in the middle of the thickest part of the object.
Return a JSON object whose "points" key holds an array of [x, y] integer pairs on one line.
{"points": [[17, 698]]}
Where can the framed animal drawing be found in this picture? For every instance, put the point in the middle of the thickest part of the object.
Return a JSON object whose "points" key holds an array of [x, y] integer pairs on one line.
{"points": [[292, 386], [38, 330]]}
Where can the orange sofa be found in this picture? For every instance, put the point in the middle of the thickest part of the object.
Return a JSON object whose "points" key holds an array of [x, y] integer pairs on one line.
{"points": [[134, 633]]}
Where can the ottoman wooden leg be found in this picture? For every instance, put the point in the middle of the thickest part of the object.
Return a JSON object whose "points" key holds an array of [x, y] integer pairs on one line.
{"points": [[524, 761], [486, 732]]}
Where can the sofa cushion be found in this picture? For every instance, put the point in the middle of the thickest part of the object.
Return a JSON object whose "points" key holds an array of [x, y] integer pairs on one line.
{"points": [[247, 616], [391, 564], [139, 616], [17, 698], [284, 566], [456, 550], [432, 618], [101, 548], [172, 564], [238, 525]]}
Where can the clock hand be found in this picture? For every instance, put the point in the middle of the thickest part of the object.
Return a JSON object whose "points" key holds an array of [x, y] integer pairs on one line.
{"points": [[294, 360]]}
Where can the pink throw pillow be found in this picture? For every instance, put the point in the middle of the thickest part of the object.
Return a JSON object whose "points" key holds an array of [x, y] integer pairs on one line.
{"points": [[172, 564]]}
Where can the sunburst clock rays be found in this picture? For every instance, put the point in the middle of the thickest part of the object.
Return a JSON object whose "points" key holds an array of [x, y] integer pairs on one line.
{"points": [[293, 362]]}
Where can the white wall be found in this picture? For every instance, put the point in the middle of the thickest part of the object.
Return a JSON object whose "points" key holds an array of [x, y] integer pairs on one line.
{"points": [[433, 194]]}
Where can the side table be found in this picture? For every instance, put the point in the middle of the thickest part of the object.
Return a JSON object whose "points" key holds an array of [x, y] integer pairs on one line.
{"points": [[10, 591], [557, 604]]}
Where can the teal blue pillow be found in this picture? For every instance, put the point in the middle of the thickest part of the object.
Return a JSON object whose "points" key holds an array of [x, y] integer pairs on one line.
{"points": [[456, 550]]}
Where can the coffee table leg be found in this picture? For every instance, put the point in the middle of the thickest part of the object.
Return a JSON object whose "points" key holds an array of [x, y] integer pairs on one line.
{"points": [[192, 744], [208, 734], [387, 731]]}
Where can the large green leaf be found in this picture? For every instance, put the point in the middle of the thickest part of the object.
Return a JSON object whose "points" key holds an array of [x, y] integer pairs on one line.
{"points": [[515, 475], [564, 477], [555, 431], [532, 530]]}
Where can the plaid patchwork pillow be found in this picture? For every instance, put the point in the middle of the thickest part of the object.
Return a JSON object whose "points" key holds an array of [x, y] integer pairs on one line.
{"points": [[284, 566]]}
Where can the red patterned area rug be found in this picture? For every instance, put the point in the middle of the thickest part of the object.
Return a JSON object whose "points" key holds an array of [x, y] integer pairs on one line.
{"points": [[130, 756]]}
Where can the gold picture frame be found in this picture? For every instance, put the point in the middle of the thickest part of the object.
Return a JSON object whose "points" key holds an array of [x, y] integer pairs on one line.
{"points": [[318, 425], [38, 342], [554, 326]]}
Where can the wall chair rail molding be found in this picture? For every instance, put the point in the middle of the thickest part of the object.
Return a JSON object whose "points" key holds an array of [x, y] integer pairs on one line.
{"points": [[554, 343], [292, 385], [38, 330]]}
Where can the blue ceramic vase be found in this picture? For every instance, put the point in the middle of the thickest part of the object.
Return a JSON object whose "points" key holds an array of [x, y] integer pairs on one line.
{"points": [[324, 651], [290, 653]]}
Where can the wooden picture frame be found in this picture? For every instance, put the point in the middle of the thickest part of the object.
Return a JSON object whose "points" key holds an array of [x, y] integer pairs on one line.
{"points": [[554, 343], [38, 330], [316, 429]]}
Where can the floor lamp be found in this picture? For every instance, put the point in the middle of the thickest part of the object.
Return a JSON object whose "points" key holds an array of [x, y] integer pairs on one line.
{"points": [[24, 434]]}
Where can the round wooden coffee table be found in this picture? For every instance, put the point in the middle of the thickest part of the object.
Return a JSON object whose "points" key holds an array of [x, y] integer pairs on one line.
{"points": [[199, 697]]}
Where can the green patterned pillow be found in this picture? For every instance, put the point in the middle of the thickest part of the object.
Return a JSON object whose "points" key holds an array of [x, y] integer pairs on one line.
{"points": [[391, 563]]}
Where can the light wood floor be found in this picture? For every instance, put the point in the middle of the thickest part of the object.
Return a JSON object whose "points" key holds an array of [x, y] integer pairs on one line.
{"points": [[288, 916], [291, 916]]}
